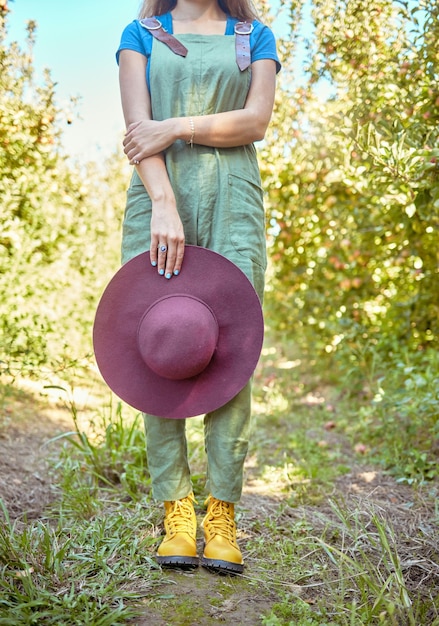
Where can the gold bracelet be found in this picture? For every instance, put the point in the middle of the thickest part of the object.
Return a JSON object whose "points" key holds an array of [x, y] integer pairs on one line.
{"points": [[192, 127]]}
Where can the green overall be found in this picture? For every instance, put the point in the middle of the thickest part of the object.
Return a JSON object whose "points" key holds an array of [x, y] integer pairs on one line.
{"points": [[219, 199]]}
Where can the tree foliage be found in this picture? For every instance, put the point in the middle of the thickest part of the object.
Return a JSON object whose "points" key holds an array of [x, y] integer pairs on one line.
{"points": [[353, 174], [52, 221], [351, 169]]}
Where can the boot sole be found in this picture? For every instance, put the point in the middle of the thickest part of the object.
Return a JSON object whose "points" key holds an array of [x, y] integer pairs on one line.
{"points": [[180, 562], [222, 567]]}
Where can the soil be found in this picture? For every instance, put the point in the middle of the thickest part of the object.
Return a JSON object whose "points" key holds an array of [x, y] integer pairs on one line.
{"points": [[28, 427], [29, 435]]}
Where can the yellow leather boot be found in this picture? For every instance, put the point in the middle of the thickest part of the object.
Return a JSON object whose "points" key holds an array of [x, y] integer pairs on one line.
{"points": [[221, 552], [179, 548]]}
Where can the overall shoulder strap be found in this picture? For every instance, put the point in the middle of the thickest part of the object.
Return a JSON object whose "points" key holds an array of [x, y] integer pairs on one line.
{"points": [[242, 44], [242, 40], [156, 29]]}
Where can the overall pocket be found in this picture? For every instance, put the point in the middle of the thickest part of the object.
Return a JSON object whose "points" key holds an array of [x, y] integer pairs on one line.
{"points": [[247, 218]]}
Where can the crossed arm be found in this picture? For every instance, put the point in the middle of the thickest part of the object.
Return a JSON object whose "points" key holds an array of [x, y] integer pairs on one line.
{"points": [[146, 139]]}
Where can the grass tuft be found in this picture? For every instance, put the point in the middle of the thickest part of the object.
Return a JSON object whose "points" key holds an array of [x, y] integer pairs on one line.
{"points": [[85, 572]]}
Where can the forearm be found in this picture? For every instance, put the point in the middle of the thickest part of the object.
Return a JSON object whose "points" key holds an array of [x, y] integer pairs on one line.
{"points": [[239, 127], [220, 130], [154, 176]]}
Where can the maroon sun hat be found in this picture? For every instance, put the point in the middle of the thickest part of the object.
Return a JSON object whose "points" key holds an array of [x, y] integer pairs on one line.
{"points": [[180, 347]]}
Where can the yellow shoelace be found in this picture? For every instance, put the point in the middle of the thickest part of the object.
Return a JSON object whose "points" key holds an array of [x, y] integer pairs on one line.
{"points": [[219, 520], [179, 518]]}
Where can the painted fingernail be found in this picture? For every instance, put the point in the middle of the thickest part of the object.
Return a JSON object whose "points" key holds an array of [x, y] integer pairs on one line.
{"points": [[176, 272], [161, 272], [154, 263], [168, 275]]}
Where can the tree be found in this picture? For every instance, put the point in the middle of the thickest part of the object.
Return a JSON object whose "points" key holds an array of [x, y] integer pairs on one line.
{"points": [[354, 185], [53, 218]]}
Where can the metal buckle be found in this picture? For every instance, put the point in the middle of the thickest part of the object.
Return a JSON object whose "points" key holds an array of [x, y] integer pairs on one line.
{"points": [[243, 28], [146, 23]]}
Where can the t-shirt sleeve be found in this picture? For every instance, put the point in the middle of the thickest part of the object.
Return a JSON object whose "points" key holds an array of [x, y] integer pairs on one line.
{"points": [[135, 37], [263, 45]]}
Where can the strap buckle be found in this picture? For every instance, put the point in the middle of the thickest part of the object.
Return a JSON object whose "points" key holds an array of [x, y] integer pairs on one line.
{"points": [[157, 31], [151, 23], [244, 28]]}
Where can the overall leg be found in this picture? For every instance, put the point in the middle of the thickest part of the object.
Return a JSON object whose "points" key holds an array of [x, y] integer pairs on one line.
{"points": [[227, 432], [235, 229], [166, 448], [226, 437]]}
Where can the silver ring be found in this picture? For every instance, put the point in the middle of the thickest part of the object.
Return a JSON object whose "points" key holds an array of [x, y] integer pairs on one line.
{"points": [[136, 162], [163, 248]]}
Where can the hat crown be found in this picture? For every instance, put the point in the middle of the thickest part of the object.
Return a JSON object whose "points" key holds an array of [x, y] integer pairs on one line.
{"points": [[177, 336]]}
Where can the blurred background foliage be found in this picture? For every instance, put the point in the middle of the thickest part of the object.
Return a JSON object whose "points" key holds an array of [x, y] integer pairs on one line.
{"points": [[59, 223], [351, 170]]}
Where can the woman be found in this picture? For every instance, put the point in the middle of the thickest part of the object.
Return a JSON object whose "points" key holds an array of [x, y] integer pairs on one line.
{"points": [[195, 96]]}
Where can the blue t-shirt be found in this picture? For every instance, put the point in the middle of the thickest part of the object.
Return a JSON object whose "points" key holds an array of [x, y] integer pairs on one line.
{"points": [[262, 42]]}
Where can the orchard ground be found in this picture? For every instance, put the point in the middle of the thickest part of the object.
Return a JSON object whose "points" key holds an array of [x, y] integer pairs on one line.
{"points": [[322, 536]]}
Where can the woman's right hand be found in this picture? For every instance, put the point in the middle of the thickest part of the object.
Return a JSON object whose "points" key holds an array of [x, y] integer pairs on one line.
{"points": [[167, 238]]}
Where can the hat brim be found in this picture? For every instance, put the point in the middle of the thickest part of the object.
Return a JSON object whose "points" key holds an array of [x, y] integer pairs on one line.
{"points": [[213, 279]]}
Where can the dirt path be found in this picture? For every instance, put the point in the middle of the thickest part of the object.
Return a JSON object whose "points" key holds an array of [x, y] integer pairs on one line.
{"points": [[27, 427], [28, 431], [204, 599]]}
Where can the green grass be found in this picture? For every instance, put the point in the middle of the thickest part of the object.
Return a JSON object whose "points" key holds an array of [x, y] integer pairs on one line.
{"points": [[356, 567], [398, 415], [92, 557], [316, 557], [76, 572], [111, 452], [388, 409], [347, 568]]}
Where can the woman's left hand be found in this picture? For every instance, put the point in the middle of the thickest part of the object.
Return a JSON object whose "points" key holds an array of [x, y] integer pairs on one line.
{"points": [[146, 138]]}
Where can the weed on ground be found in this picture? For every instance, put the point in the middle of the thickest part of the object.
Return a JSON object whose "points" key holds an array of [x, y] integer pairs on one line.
{"points": [[332, 533]]}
